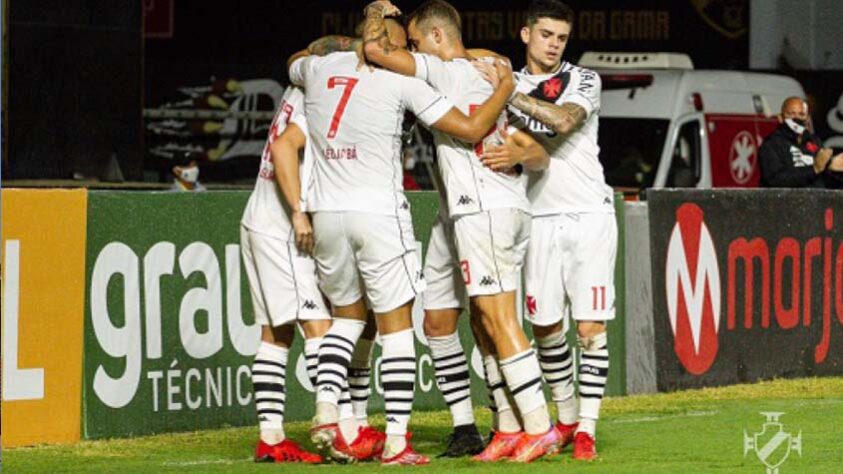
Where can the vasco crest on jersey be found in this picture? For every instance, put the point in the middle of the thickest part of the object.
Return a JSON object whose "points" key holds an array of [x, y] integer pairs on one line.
{"points": [[551, 89]]}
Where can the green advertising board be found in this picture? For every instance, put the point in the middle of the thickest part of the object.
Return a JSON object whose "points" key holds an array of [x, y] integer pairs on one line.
{"points": [[169, 329]]}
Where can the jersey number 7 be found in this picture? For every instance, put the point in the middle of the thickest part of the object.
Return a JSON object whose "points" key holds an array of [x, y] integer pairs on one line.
{"points": [[348, 84]]}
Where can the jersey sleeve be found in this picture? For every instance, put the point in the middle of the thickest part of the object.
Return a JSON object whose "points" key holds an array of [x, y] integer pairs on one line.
{"points": [[306, 162], [428, 105], [514, 121], [301, 69], [587, 94], [432, 70]]}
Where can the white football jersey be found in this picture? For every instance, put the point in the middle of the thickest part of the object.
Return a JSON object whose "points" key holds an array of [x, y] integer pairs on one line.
{"points": [[267, 211], [354, 119], [470, 186], [574, 180]]}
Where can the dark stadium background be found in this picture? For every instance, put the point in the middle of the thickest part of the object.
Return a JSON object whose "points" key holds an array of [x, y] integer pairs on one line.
{"points": [[86, 78]]}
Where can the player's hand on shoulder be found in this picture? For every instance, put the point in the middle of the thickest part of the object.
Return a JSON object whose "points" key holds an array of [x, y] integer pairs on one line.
{"points": [[303, 231], [503, 69], [487, 71]]}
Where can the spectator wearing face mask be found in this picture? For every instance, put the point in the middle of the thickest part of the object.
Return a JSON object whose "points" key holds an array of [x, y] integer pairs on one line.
{"points": [[793, 157], [186, 176]]}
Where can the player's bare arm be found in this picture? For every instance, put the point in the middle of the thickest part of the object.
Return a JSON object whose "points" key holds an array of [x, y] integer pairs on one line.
{"points": [[483, 53], [285, 157], [562, 119], [473, 128], [376, 44], [327, 45], [334, 44], [518, 148]]}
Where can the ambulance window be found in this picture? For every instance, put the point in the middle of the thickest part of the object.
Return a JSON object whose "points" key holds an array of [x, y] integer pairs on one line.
{"points": [[685, 166], [630, 150]]}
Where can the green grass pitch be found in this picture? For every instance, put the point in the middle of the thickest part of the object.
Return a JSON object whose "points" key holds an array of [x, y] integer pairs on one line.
{"points": [[682, 432]]}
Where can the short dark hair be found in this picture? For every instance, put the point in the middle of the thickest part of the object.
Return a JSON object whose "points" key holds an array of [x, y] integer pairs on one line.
{"points": [[436, 10], [552, 9]]}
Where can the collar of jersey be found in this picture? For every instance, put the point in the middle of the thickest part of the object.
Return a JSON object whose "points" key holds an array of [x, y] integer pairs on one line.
{"points": [[562, 66]]}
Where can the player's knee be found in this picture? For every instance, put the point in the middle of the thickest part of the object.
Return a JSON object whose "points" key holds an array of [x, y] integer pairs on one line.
{"points": [[279, 335], [315, 328], [544, 331], [592, 342], [440, 323]]}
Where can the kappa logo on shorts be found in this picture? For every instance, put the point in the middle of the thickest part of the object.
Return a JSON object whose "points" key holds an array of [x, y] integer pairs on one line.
{"points": [[308, 304], [487, 281], [464, 200], [391, 419], [405, 205]]}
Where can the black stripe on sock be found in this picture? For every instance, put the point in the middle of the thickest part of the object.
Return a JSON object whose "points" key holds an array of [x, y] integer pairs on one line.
{"points": [[267, 387], [453, 377], [446, 357], [451, 366], [560, 379], [521, 388], [337, 336], [398, 386], [590, 395], [529, 353], [333, 359]]}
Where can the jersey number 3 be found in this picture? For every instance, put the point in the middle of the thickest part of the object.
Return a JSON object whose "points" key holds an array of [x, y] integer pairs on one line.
{"points": [[347, 83]]}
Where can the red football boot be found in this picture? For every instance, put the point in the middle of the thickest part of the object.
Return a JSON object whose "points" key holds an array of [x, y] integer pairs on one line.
{"points": [[285, 451], [584, 447], [368, 444], [330, 442], [531, 447], [408, 457], [567, 432], [501, 446]]}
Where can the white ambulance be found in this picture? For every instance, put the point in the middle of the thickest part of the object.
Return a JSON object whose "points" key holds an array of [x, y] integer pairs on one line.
{"points": [[664, 124]]}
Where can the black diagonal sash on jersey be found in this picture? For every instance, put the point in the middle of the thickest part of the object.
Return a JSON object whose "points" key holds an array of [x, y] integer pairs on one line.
{"points": [[552, 88]]}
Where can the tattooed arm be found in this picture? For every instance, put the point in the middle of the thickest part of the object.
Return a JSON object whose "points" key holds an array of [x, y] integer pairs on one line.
{"points": [[376, 43], [327, 45], [332, 44], [562, 119]]}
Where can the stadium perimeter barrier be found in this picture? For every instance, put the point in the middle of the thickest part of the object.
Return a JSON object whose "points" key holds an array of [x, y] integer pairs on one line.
{"points": [[128, 313], [746, 285]]}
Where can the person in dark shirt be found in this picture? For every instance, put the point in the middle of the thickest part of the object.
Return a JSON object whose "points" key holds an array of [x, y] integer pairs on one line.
{"points": [[793, 157]]}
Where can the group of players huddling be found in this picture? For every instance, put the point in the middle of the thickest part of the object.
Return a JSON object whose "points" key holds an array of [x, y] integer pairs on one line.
{"points": [[520, 187]]}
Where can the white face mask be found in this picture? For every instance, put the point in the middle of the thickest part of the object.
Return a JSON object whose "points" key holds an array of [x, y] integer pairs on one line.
{"points": [[798, 126], [190, 175]]}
